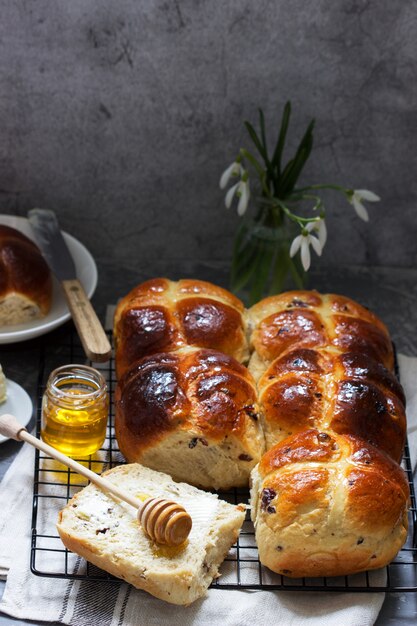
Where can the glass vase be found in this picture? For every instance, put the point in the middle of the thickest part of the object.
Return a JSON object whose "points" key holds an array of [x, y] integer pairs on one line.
{"points": [[261, 262]]}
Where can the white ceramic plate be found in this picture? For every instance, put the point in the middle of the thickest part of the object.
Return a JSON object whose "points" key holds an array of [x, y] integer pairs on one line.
{"points": [[59, 313], [18, 403]]}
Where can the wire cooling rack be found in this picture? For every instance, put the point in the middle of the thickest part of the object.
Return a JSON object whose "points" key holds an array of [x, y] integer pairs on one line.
{"points": [[54, 485]]}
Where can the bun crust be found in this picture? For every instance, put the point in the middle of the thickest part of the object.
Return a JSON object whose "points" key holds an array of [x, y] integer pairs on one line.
{"points": [[161, 315], [191, 413], [304, 319], [348, 393], [25, 279]]}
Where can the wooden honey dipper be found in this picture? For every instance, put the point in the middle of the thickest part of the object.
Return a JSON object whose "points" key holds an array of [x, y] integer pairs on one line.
{"points": [[164, 521]]}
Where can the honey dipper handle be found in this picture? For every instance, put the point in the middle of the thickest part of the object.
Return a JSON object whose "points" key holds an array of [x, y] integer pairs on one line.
{"points": [[10, 427]]}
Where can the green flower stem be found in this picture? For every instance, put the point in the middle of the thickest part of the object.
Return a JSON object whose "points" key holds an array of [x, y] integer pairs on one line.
{"points": [[326, 186], [296, 218], [270, 215]]}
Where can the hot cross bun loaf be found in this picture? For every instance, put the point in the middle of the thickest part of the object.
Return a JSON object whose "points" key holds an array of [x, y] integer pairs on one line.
{"points": [[325, 405], [25, 279], [161, 315], [192, 414], [328, 498]]}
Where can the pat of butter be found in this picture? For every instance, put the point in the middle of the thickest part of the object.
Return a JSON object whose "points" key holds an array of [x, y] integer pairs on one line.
{"points": [[95, 509]]}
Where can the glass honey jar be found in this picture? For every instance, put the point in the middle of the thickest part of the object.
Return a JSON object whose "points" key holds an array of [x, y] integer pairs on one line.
{"points": [[75, 409]]}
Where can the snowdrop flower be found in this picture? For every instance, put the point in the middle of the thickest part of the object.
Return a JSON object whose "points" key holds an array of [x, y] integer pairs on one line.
{"points": [[242, 191], [244, 194], [303, 242], [234, 169], [318, 228], [356, 196]]}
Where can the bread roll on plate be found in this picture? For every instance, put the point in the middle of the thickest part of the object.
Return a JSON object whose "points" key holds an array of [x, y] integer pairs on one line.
{"points": [[25, 279], [192, 414], [327, 505], [106, 532], [161, 315]]}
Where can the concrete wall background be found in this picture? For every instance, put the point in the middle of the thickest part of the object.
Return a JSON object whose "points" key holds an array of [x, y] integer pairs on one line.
{"points": [[122, 115]]}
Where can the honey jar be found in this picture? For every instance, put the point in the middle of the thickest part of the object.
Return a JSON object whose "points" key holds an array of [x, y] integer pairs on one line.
{"points": [[75, 409]]}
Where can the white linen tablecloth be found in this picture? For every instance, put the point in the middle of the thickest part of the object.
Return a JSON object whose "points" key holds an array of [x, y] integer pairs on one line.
{"points": [[88, 603]]}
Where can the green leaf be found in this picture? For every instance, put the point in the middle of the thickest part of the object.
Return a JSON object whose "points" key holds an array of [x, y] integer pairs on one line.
{"points": [[296, 274], [290, 179], [255, 289], [239, 280], [256, 141], [243, 263], [241, 233], [241, 276], [284, 177], [263, 269], [262, 127], [306, 143], [280, 270], [294, 167], [258, 167], [285, 120]]}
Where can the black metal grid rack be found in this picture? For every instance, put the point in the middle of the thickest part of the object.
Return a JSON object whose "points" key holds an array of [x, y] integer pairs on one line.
{"points": [[54, 486]]}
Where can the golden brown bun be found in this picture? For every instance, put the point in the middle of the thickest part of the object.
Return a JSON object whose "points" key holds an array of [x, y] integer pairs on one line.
{"points": [[192, 414], [25, 279], [161, 315], [328, 505], [347, 392], [328, 497], [307, 319]]}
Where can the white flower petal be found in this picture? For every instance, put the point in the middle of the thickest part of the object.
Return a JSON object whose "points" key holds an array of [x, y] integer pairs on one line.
{"points": [[229, 195], [360, 209], [234, 169], [319, 229], [365, 194], [295, 246], [226, 176], [322, 233], [244, 197], [305, 254], [316, 244]]}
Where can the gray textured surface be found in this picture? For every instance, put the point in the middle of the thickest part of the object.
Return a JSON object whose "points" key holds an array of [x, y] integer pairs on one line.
{"points": [[122, 115]]}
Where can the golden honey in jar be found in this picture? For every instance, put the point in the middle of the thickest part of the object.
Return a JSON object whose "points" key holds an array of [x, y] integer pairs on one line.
{"points": [[75, 410]]}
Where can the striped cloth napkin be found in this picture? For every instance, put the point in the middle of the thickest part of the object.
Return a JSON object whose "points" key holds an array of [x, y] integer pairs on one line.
{"points": [[86, 603]]}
